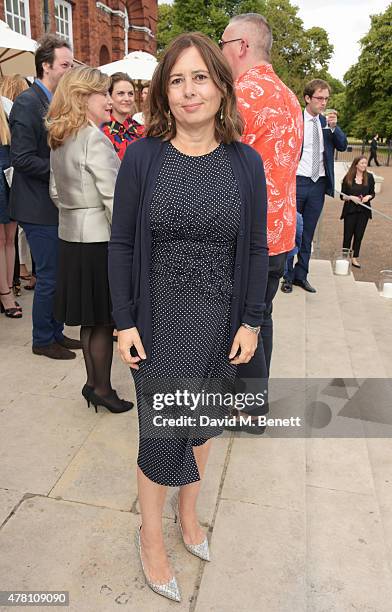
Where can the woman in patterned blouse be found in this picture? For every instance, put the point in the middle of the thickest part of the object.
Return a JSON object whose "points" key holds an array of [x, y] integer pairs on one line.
{"points": [[122, 129]]}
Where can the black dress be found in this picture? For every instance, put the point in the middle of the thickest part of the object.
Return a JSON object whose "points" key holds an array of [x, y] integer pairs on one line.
{"points": [[195, 216]]}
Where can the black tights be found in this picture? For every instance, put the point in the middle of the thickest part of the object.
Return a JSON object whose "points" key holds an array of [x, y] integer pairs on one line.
{"points": [[97, 345]]}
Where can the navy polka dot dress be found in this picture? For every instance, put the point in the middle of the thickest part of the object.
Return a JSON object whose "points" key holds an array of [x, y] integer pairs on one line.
{"points": [[195, 216]]}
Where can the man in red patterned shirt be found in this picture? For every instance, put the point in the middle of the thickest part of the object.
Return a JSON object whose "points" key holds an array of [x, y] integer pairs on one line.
{"points": [[274, 127]]}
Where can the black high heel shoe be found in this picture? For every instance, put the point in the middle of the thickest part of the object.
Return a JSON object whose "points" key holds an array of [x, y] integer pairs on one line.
{"points": [[86, 392], [96, 401], [18, 306], [11, 313]]}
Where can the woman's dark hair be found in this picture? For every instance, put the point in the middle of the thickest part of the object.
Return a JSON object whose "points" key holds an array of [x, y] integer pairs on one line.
{"points": [[119, 76], [350, 176], [45, 52], [158, 121]]}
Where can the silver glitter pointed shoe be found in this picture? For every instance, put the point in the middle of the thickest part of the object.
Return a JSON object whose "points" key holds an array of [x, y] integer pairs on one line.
{"points": [[199, 550], [169, 589]]}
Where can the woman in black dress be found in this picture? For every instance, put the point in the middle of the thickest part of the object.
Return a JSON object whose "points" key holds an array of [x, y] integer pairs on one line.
{"points": [[357, 187], [188, 268]]}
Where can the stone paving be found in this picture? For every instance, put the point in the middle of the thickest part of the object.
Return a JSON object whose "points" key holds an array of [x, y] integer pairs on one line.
{"points": [[295, 524]]}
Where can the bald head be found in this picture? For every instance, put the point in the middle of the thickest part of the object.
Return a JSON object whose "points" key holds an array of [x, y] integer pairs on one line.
{"points": [[256, 29], [247, 42]]}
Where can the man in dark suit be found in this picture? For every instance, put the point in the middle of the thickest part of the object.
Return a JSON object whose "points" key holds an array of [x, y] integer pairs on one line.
{"points": [[373, 150], [315, 175], [30, 203]]}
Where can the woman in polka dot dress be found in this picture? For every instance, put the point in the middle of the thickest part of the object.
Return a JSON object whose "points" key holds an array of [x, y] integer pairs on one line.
{"points": [[188, 268]]}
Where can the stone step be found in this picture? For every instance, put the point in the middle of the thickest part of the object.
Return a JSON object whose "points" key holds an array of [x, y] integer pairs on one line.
{"points": [[362, 346], [327, 354], [288, 357], [379, 317]]}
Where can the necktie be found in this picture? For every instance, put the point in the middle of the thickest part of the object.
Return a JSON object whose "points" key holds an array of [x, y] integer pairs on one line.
{"points": [[315, 151]]}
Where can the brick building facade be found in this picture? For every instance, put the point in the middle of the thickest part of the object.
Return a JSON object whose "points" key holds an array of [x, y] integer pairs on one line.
{"points": [[96, 30]]}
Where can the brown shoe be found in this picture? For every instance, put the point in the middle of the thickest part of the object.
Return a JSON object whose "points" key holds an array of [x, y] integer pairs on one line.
{"points": [[69, 343], [54, 351]]}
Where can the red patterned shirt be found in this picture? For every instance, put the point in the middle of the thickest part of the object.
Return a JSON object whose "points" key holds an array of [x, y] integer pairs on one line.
{"points": [[122, 134], [274, 127]]}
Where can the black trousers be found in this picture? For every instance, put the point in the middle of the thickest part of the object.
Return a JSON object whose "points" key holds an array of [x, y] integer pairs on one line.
{"points": [[354, 227], [373, 155], [253, 377]]}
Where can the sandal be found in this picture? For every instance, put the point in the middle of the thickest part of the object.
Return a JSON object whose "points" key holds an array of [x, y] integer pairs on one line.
{"points": [[30, 287], [11, 313], [18, 306]]}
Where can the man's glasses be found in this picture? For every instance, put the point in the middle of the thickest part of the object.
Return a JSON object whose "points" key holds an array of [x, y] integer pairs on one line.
{"points": [[222, 43], [321, 98]]}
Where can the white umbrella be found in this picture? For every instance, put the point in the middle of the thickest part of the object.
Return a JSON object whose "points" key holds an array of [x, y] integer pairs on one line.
{"points": [[138, 65], [16, 52]]}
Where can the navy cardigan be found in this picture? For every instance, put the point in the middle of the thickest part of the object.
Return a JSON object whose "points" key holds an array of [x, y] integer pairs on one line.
{"points": [[130, 243]]}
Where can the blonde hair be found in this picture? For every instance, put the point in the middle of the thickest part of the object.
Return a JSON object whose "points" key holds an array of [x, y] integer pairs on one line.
{"points": [[68, 110], [13, 85], [5, 135]]}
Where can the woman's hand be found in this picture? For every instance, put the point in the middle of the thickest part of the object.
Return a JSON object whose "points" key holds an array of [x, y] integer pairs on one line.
{"points": [[246, 341], [127, 338], [366, 198], [355, 199]]}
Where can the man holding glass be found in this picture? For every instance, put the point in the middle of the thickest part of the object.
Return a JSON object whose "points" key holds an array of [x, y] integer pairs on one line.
{"points": [[315, 175]]}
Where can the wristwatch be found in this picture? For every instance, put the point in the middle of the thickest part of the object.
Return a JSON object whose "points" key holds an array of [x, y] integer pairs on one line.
{"points": [[255, 330]]}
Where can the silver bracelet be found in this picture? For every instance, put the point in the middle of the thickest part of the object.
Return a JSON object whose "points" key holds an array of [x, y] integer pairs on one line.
{"points": [[255, 330]]}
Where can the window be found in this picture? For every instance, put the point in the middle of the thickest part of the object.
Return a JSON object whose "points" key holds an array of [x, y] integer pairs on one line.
{"points": [[63, 14], [17, 16]]}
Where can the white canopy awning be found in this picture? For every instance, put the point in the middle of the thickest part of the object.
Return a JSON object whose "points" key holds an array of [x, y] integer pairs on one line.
{"points": [[139, 65], [16, 52]]}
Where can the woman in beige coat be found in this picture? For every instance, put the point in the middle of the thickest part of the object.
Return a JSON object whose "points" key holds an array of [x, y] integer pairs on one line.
{"points": [[84, 167]]}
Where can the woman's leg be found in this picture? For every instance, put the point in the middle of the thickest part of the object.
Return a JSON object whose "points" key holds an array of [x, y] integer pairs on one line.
{"points": [[4, 287], [101, 355], [154, 557], [10, 231], [6, 298], [23, 252], [193, 534], [85, 335], [348, 231], [359, 231]]}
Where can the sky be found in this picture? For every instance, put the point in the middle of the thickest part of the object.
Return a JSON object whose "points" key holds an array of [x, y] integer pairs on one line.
{"points": [[345, 21]]}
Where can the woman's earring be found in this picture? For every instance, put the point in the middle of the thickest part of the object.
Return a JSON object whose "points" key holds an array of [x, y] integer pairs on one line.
{"points": [[169, 121], [221, 115]]}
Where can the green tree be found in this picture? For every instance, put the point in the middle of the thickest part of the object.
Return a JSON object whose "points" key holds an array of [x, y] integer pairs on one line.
{"points": [[165, 26], [297, 54], [369, 81]]}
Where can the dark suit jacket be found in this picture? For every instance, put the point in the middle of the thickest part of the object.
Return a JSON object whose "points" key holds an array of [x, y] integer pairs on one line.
{"points": [[130, 244], [332, 140], [29, 199], [373, 145]]}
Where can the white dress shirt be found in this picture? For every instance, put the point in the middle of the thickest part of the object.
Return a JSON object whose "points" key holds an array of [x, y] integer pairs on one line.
{"points": [[305, 163]]}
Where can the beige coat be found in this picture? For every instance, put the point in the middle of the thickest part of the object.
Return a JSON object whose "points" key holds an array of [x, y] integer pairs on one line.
{"points": [[83, 174]]}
